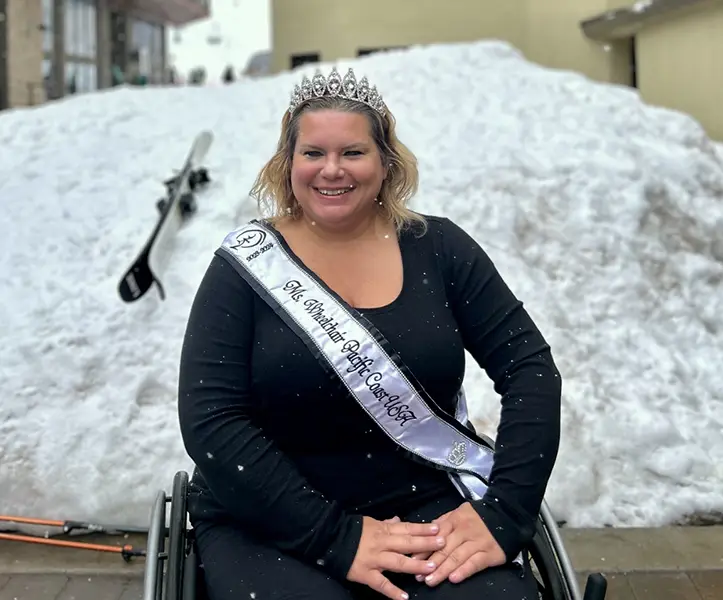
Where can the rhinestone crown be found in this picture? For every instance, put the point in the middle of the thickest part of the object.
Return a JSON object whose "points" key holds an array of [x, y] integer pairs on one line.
{"points": [[319, 86]]}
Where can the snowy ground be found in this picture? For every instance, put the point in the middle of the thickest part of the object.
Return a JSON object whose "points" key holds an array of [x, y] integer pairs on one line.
{"points": [[603, 214]]}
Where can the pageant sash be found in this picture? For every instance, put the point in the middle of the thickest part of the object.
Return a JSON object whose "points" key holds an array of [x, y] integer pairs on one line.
{"points": [[351, 348]]}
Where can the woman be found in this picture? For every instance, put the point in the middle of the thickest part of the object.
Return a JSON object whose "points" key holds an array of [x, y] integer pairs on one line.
{"points": [[321, 371]]}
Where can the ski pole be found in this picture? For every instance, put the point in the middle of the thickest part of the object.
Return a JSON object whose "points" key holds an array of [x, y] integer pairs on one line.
{"points": [[126, 551], [68, 526]]}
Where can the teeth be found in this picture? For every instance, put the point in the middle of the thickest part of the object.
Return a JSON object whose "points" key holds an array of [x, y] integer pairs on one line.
{"points": [[334, 192]]}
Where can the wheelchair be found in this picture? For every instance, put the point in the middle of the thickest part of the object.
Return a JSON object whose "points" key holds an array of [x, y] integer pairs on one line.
{"points": [[173, 570]]}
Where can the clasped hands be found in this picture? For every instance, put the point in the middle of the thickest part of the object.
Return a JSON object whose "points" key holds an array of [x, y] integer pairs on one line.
{"points": [[453, 547]]}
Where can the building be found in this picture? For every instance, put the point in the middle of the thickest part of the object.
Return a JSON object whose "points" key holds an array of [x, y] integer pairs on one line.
{"points": [[677, 49], [53, 48], [669, 49]]}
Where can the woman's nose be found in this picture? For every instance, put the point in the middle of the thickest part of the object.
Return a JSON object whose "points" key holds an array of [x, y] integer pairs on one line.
{"points": [[332, 169]]}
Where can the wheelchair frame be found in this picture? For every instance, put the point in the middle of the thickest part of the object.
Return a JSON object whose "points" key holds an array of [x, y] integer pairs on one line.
{"points": [[177, 574]]}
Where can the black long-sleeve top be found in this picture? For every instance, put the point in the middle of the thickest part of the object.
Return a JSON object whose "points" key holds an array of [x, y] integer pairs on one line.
{"points": [[281, 451]]}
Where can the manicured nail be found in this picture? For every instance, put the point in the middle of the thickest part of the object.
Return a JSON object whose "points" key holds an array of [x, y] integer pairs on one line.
{"points": [[440, 541], [405, 596], [429, 578], [431, 565], [419, 578], [435, 528]]}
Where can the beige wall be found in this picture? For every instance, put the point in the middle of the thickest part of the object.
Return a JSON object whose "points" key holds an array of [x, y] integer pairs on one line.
{"points": [[25, 52], [680, 66], [338, 28], [679, 60], [554, 39], [546, 31]]}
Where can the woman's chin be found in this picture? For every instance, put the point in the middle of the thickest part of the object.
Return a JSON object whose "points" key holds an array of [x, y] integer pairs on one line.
{"points": [[334, 212]]}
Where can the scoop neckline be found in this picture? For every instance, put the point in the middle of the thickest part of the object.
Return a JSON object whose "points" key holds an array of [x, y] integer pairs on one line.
{"points": [[374, 310]]}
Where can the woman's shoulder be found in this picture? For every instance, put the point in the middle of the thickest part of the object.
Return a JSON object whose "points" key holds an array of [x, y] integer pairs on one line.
{"points": [[452, 244], [441, 229]]}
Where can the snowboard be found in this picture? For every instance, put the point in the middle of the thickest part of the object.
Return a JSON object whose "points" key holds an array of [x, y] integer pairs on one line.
{"points": [[173, 210]]}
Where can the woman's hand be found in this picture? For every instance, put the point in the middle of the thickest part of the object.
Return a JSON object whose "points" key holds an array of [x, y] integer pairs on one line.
{"points": [[386, 546], [469, 547]]}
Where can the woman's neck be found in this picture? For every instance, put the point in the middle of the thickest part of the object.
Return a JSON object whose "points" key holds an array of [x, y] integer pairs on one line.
{"points": [[371, 226]]}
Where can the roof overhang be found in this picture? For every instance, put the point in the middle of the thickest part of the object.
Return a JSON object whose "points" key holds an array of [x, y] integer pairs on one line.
{"points": [[170, 12], [626, 22]]}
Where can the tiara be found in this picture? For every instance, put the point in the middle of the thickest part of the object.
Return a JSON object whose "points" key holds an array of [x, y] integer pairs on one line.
{"points": [[319, 86]]}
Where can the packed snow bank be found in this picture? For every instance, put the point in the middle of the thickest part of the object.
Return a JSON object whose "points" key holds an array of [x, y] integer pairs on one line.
{"points": [[603, 214]]}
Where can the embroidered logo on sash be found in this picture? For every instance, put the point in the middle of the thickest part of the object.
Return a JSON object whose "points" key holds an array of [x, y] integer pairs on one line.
{"points": [[458, 454], [249, 239]]}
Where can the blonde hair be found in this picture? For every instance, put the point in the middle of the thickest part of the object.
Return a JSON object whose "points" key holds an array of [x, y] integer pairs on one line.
{"points": [[272, 188]]}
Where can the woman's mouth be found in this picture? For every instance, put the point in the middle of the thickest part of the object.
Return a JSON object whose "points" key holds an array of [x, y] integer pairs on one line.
{"points": [[330, 192]]}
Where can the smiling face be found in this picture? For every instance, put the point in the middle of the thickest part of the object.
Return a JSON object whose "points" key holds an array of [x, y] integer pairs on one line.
{"points": [[336, 169]]}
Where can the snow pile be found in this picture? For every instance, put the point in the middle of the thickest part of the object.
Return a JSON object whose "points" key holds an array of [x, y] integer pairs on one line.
{"points": [[603, 214]]}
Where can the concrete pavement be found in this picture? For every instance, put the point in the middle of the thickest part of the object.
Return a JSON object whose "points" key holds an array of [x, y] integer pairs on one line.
{"points": [[672, 563]]}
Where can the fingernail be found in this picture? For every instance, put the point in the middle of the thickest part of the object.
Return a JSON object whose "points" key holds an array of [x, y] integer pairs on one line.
{"points": [[440, 541], [429, 578], [431, 565], [419, 578], [405, 596], [435, 528]]}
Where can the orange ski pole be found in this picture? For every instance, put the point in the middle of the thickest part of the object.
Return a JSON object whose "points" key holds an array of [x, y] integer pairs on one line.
{"points": [[68, 526], [127, 551]]}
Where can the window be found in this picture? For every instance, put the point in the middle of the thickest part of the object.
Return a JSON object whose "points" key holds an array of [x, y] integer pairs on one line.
{"points": [[157, 55], [301, 59], [146, 48], [367, 51], [47, 26], [89, 47], [48, 82], [80, 77], [81, 48], [80, 34]]}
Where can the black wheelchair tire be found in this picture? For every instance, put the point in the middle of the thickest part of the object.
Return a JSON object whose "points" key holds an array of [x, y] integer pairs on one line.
{"points": [[177, 539]]}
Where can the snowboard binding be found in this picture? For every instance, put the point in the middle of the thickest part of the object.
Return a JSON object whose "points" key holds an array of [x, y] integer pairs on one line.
{"points": [[199, 178]]}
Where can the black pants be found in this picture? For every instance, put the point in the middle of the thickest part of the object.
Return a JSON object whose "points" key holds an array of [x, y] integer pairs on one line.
{"points": [[239, 567]]}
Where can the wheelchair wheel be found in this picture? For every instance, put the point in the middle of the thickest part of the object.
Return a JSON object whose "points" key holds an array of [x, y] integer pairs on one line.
{"points": [[155, 556], [551, 583], [177, 539]]}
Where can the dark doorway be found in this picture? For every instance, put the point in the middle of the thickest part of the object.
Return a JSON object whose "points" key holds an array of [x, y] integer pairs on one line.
{"points": [[301, 59], [118, 47], [368, 51]]}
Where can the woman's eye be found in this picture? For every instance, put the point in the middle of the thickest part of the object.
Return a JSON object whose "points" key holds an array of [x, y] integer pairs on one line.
{"points": [[316, 153]]}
